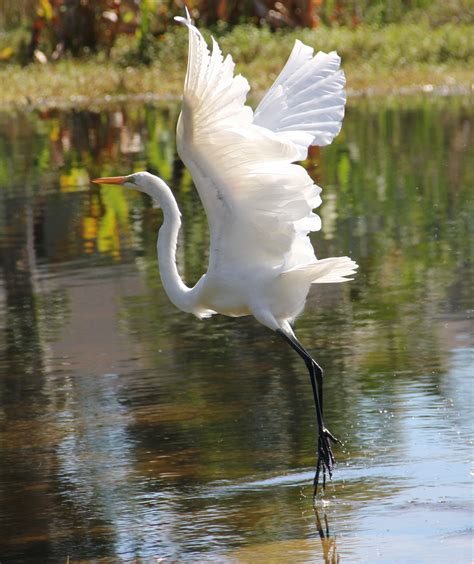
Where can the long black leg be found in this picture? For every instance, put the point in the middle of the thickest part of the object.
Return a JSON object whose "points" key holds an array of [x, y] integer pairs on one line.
{"points": [[325, 460]]}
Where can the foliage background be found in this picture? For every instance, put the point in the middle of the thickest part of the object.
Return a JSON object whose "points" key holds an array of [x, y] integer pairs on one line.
{"points": [[51, 51]]}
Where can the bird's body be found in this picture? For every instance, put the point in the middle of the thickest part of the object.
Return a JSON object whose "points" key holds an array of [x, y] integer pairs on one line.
{"points": [[258, 202]]}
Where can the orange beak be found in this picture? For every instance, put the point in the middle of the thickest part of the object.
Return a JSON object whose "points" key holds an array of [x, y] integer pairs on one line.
{"points": [[110, 180]]}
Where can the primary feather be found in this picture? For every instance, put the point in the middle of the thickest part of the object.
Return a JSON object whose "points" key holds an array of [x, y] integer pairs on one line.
{"points": [[308, 96]]}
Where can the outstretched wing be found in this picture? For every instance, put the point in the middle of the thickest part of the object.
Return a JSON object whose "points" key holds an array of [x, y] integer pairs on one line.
{"points": [[308, 96], [258, 202]]}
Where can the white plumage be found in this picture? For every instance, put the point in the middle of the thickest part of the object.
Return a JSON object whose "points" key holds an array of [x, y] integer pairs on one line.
{"points": [[308, 96], [258, 202]]}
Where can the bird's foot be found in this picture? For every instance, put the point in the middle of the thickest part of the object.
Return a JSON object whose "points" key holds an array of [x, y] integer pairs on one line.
{"points": [[326, 460]]}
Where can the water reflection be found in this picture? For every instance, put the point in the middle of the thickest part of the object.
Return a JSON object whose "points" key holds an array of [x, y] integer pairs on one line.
{"points": [[328, 542], [129, 430]]}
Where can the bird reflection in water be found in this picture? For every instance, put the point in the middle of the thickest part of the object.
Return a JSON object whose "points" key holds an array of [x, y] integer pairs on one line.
{"points": [[328, 542]]}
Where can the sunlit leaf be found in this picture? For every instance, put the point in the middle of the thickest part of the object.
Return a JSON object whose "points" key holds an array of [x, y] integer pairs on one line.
{"points": [[45, 9], [6, 53]]}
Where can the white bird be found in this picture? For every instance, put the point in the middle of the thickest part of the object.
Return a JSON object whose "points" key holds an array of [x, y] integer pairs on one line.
{"points": [[258, 203]]}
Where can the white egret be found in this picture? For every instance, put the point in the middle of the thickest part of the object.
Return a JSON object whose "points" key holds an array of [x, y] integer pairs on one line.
{"points": [[258, 202]]}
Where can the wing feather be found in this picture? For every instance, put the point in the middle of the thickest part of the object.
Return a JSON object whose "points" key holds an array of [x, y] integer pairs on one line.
{"points": [[308, 96], [258, 202]]}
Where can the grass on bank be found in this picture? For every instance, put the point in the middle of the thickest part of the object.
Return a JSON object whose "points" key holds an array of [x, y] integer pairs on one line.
{"points": [[383, 60]]}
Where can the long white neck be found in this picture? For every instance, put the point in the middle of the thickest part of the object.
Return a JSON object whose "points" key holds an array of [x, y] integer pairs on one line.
{"points": [[177, 291]]}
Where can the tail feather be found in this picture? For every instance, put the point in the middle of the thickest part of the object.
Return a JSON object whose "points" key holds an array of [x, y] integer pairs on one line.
{"points": [[329, 270]]}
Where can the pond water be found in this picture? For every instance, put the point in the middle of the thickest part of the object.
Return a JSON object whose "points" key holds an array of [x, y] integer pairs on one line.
{"points": [[130, 431]]}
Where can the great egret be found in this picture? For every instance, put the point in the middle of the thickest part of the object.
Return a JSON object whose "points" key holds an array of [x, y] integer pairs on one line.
{"points": [[258, 203]]}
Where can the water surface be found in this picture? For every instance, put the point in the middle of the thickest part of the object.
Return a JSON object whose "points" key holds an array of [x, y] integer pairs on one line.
{"points": [[130, 431]]}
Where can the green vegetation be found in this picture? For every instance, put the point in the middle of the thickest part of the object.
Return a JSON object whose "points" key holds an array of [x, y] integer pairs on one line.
{"points": [[385, 47], [383, 59]]}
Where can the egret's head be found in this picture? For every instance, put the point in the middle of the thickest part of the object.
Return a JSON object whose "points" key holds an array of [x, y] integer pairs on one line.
{"points": [[141, 181]]}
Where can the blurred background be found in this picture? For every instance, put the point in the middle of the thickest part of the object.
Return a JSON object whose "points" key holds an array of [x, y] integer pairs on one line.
{"points": [[385, 45], [132, 432]]}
